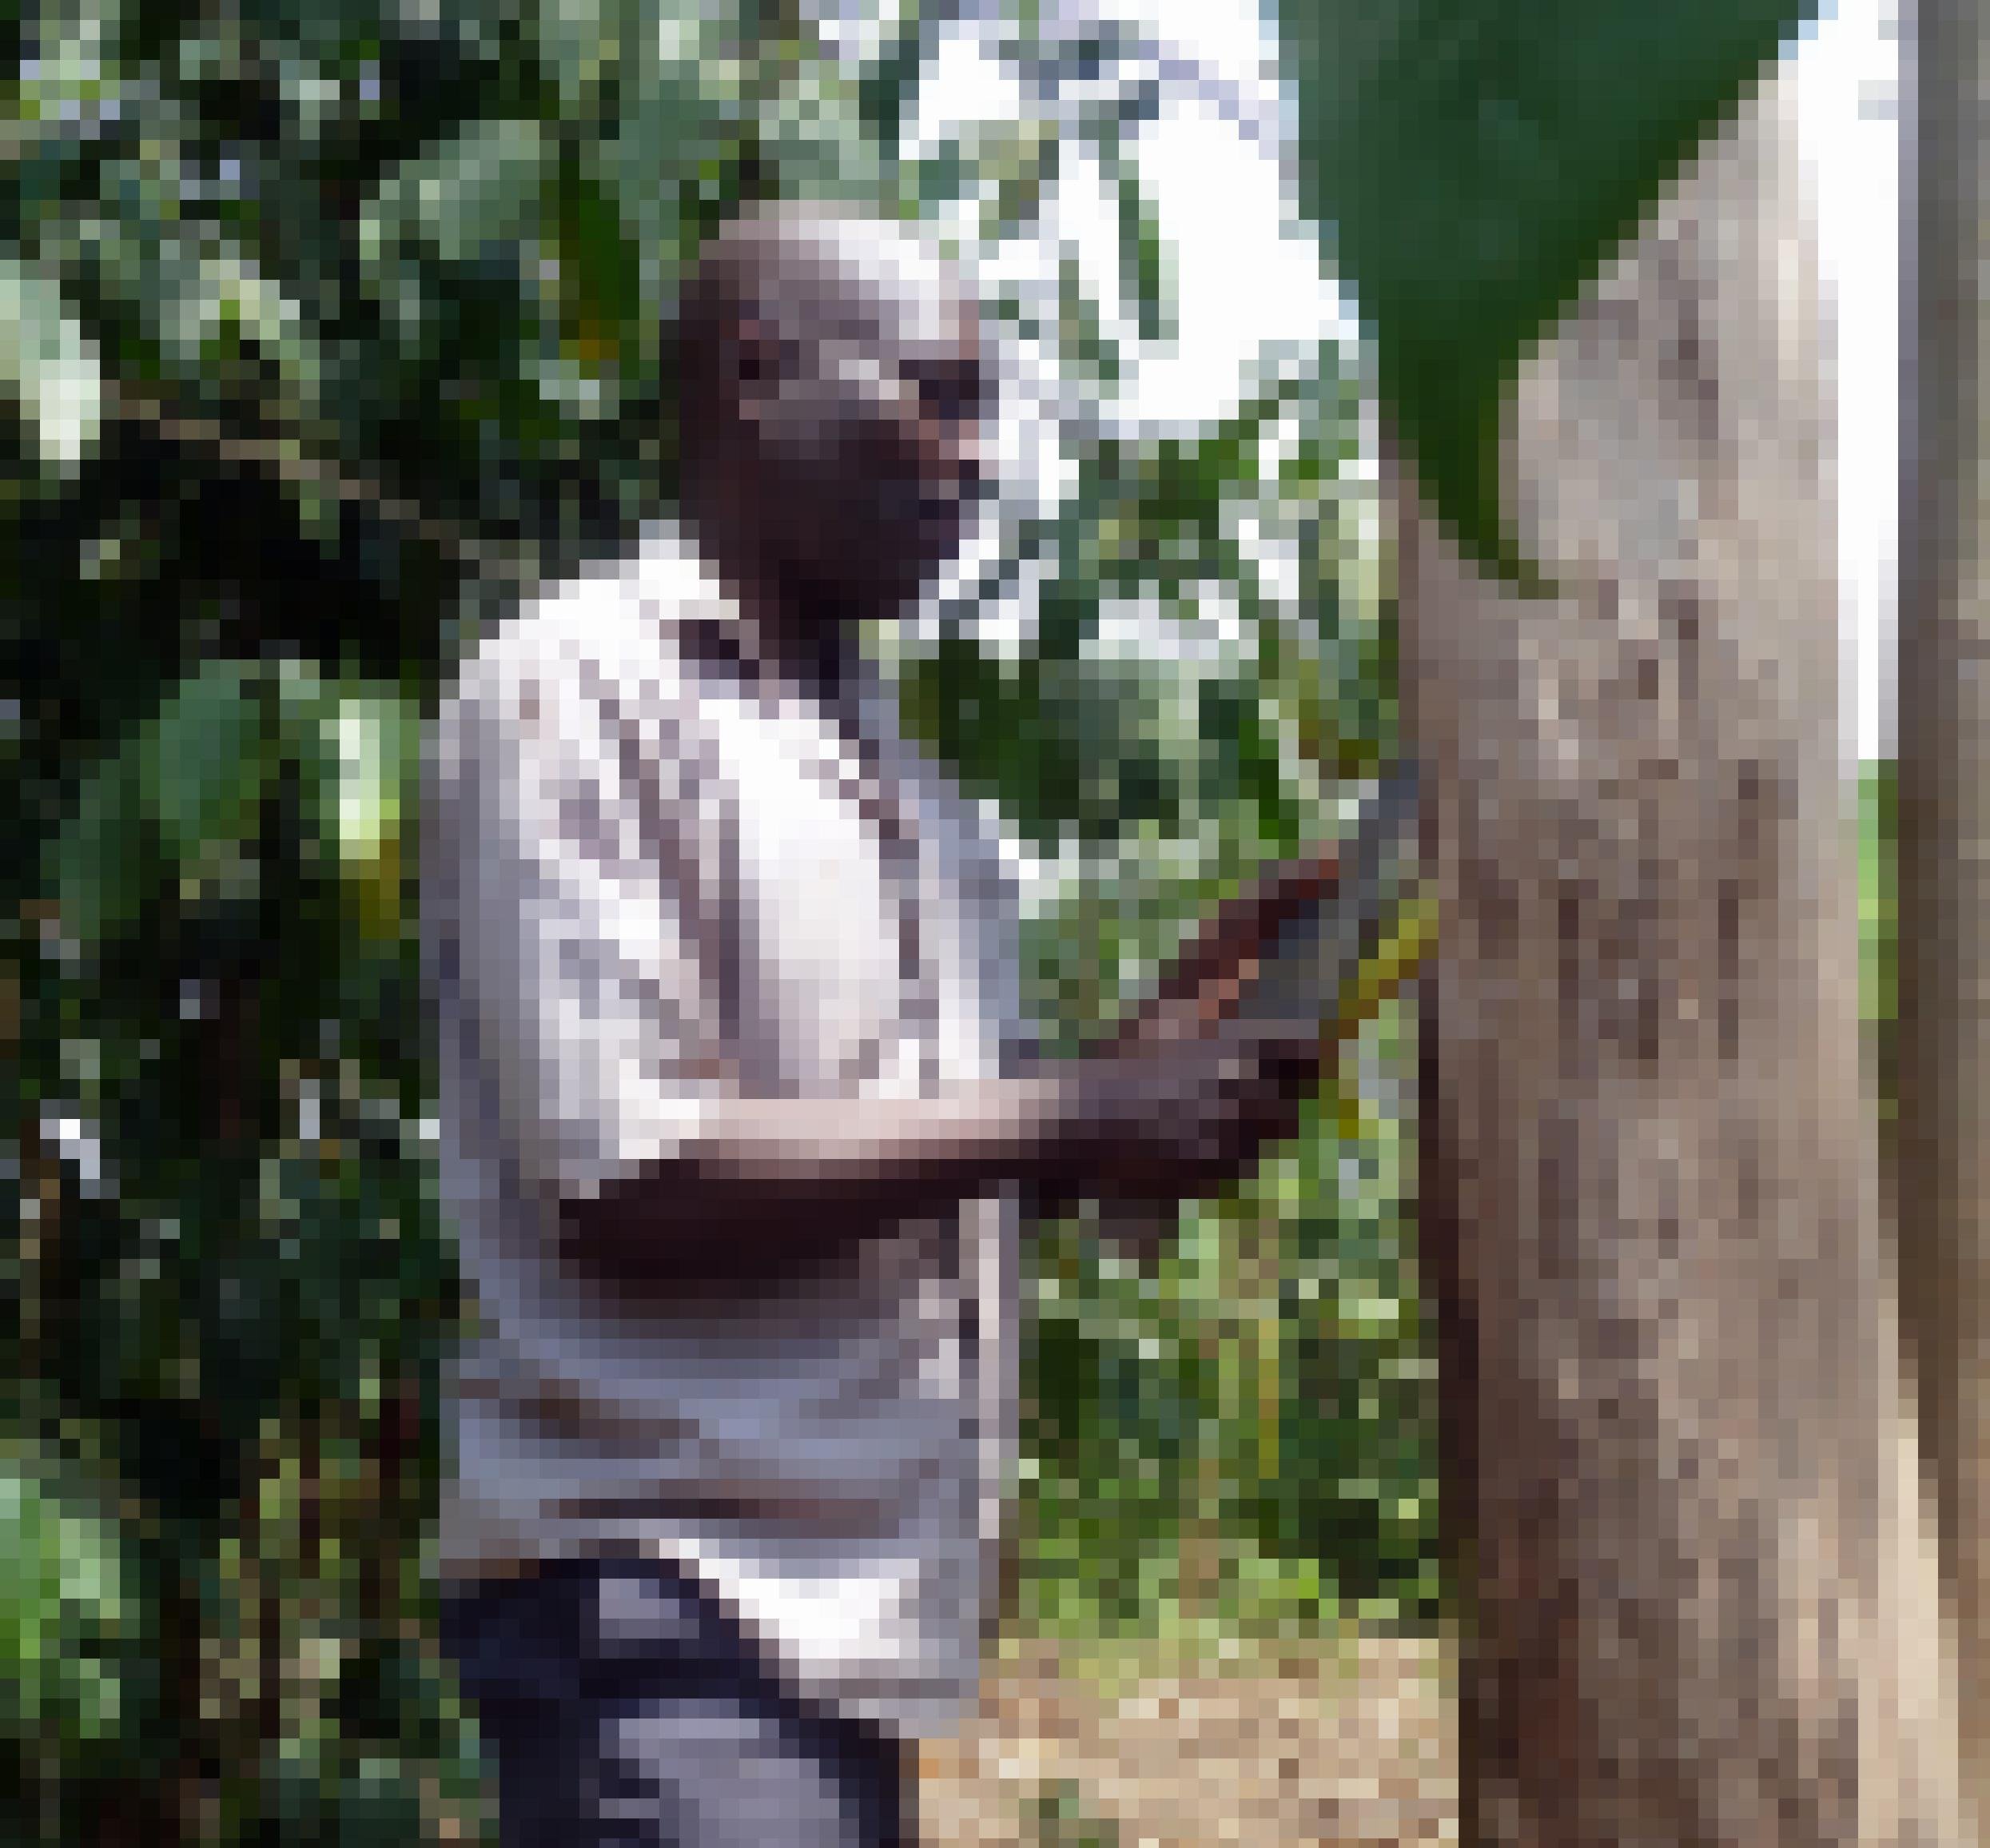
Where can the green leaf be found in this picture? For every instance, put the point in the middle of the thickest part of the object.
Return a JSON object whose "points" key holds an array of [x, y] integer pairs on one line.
{"points": [[1144, 253], [48, 366], [190, 781], [580, 43], [1019, 162], [203, 762], [371, 743], [62, 1590], [483, 190], [219, 319], [1084, 348], [103, 863], [674, 145], [601, 270], [888, 94], [1477, 162]]}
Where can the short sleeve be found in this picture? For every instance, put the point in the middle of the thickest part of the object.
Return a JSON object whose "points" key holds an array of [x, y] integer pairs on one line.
{"points": [[557, 937]]}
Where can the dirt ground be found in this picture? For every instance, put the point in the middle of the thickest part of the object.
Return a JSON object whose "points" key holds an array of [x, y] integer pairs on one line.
{"points": [[1346, 1747]]}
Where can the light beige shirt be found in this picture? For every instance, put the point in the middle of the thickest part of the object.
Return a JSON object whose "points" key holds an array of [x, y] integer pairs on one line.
{"points": [[650, 881]]}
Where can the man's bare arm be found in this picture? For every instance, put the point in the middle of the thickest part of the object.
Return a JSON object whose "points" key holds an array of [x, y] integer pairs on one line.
{"points": [[772, 1186]]}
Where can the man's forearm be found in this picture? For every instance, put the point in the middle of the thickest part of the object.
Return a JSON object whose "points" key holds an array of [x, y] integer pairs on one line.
{"points": [[772, 1182]]}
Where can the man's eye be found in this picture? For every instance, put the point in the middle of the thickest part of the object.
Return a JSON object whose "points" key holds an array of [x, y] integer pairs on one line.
{"points": [[953, 401]]}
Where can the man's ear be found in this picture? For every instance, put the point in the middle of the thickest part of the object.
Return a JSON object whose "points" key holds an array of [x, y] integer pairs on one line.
{"points": [[755, 351], [752, 365]]}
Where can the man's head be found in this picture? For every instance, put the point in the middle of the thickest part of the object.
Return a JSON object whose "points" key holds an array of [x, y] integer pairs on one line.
{"points": [[832, 391]]}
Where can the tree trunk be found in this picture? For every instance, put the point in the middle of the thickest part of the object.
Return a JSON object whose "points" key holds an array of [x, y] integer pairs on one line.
{"points": [[1943, 1156], [1698, 1605]]}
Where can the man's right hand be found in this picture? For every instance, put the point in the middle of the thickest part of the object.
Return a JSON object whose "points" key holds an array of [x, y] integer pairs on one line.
{"points": [[1164, 1123]]}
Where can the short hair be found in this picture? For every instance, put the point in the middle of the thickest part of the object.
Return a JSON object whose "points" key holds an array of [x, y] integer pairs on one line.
{"points": [[802, 268]]}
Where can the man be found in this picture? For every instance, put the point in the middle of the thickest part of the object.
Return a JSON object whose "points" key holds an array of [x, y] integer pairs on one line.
{"points": [[737, 1118]]}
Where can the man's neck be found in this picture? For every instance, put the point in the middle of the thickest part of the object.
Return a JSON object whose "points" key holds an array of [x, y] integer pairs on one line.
{"points": [[804, 635], [809, 645]]}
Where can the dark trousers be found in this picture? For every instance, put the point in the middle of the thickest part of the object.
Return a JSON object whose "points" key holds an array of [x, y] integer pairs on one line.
{"points": [[620, 1706]]}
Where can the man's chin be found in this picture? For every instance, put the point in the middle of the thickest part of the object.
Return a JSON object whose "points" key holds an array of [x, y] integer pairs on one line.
{"points": [[862, 593], [888, 588]]}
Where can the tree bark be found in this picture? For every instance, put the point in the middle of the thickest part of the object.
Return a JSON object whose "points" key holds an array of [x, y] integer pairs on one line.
{"points": [[1943, 1163], [1699, 1606]]}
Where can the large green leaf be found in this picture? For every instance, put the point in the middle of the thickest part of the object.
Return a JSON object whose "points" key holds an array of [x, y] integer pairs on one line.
{"points": [[1479, 160]]}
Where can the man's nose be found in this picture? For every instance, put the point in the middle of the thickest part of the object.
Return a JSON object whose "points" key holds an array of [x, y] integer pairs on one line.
{"points": [[954, 456]]}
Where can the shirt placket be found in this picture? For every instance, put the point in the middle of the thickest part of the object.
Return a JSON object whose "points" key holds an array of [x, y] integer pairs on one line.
{"points": [[853, 765], [856, 762]]}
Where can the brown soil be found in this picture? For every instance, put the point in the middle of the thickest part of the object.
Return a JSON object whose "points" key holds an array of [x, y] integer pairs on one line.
{"points": [[1352, 1746]]}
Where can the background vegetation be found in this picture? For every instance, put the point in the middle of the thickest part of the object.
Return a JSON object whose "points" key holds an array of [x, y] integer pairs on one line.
{"points": [[333, 328]]}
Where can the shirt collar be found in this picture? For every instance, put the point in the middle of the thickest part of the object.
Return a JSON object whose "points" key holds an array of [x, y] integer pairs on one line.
{"points": [[711, 630]]}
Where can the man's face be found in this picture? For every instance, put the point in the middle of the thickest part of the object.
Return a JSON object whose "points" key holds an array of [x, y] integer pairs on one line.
{"points": [[862, 409]]}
